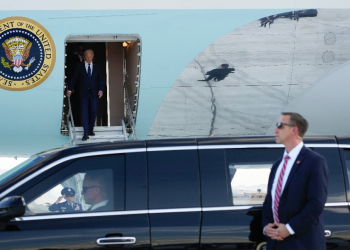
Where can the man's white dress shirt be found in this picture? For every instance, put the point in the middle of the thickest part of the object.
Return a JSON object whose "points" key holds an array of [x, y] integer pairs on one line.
{"points": [[101, 204], [87, 66], [293, 154]]}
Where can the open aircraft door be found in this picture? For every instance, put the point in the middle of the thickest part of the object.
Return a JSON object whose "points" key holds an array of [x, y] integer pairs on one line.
{"points": [[120, 58]]}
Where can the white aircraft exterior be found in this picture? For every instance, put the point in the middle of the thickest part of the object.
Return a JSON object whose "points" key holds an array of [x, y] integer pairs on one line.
{"points": [[281, 63]]}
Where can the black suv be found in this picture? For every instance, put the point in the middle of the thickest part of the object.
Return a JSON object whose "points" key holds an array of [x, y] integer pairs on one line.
{"points": [[161, 194]]}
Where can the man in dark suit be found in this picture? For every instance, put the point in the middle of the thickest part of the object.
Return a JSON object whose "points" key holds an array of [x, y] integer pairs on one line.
{"points": [[69, 205], [79, 57], [297, 191], [88, 77], [97, 188], [72, 61]]}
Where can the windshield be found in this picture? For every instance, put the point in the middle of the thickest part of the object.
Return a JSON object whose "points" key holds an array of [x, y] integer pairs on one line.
{"points": [[33, 159], [20, 167]]}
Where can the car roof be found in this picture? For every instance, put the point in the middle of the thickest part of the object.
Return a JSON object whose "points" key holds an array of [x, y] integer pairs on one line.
{"points": [[180, 142], [54, 155]]}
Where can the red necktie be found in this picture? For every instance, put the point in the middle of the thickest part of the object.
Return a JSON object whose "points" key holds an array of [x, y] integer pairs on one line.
{"points": [[279, 189]]}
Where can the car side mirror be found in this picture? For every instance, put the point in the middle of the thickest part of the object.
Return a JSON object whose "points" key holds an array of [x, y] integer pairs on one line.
{"points": [[11, 207]]}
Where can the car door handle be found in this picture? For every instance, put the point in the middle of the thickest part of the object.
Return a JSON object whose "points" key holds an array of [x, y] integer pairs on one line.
{"points": [[327, 233], [116, 241]]}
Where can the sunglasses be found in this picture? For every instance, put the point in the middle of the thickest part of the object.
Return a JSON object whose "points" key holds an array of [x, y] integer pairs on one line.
{"points": [[69, 195], [86, 188], [279, 125]]}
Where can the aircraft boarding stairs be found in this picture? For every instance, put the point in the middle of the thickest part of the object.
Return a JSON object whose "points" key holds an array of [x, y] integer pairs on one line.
{"points": [[102, 133]]}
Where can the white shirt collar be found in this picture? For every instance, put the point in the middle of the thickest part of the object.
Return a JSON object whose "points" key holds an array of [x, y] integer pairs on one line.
{"points": [[87, 65], [293, 154], [101, 204]]}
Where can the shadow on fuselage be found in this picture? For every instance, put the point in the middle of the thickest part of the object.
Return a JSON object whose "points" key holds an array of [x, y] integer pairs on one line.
{"points": [[219, 74], [293, 15]]}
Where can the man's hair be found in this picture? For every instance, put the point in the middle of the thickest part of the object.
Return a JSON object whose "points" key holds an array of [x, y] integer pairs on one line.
{"points": [[103, 178], [80, 45], [298, 121], [89, 50]]}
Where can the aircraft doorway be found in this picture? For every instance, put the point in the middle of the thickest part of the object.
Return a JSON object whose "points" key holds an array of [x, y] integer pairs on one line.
{"points": [[119, 59]]}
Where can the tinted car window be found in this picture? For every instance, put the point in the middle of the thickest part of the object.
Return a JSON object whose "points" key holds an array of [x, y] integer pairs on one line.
{"points": [[248, 183], [92, 183], [347, 168], [214, 178], [336, 188], [173, 179], [236, 176], [20, 167], [249, 171], [136, 181]]}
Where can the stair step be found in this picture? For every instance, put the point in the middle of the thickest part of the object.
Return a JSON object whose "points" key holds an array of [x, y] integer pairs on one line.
{"points": [[79, 141], [103, 134], [97, 136], [101, 128]]}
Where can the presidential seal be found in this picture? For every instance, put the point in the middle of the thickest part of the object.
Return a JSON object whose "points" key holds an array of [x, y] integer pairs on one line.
{"points": [[27, 54]]}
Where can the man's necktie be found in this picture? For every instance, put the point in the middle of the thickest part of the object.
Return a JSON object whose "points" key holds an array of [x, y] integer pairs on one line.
{"points": [[279, 189], [89, 70]]}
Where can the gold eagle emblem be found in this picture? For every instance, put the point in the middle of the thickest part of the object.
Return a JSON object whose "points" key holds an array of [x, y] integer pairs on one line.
{"points": [[17, 50]]}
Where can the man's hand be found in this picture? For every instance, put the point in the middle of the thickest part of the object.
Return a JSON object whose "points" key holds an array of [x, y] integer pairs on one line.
{"points": [[68, 93], [272, 231], [282, 230], [100, 94], [59, 199]]}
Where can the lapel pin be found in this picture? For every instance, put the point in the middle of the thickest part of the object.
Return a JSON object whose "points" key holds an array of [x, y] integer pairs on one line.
{"points": [[298, 162]]}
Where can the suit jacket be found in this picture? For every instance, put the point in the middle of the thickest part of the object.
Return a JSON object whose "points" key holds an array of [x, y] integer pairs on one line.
{"points": [[71, 63], [76, 59], [86, 84], [301, 203], [65, 207]]}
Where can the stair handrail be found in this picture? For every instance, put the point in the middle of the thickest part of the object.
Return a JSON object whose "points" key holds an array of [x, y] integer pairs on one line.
{"points": [[124, 130], [129, 114], [71, 127]]}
